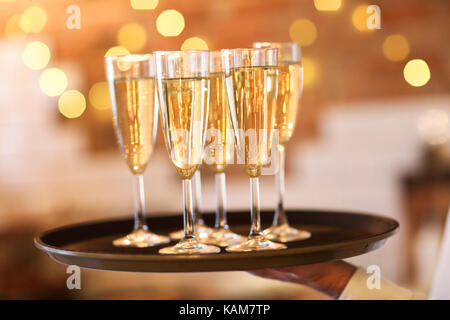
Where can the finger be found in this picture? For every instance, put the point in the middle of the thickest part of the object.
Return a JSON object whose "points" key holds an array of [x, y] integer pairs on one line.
{"points": [[273, 274], [265, 273]]}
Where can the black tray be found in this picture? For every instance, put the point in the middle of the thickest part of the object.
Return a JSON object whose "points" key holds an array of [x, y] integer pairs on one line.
{"points": [[335, 235]]}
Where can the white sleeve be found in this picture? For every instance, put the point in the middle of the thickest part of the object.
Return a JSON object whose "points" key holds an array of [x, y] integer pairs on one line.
{"points": [[441, 284], [357, 289]]}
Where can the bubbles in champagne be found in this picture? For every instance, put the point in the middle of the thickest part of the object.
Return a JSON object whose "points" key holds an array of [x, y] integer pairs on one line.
{"points": [[219, 151], [254, 90], [185, 103], [289, 89], [133, 116]]}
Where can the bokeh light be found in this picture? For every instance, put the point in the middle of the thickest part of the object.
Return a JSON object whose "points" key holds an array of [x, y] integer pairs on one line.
{"points": [[132, 36], [72, 104], [310, 72], [396, 47], [99, 96], [12, 29], [33, 19], [359, 18], [144, 4], [194, 43], [36, 55], [303, 31], [117, 51], [417, 73], [53, 82], [327, 5], [170, 23]]}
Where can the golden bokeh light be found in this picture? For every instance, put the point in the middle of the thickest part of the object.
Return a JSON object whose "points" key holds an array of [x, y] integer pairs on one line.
{"points": [[12, 29], [417, 73], [72, 104], [132, 36], [53, 82], [194, 43], [310, 72], [99, 96], [359, 18], [395, 47], [303, 31], [327, 5], [117, 51], [144, 4], [33, 19], [36, 55], [170, 23]]}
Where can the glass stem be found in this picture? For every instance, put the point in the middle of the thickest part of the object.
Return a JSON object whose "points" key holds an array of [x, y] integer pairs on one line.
{"points": [[255, 229], [280, 215], [188, 210], [197, 181], [221, 209], [139, 203]]}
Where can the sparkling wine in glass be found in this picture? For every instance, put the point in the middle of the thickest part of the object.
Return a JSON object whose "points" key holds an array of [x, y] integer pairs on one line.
{"points": [[219, 150], [131, 81], [251, 77], [288, 100], [183, 90]]}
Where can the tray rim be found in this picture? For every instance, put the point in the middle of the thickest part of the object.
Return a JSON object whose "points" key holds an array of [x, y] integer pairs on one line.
{"points": [[52, 250]]}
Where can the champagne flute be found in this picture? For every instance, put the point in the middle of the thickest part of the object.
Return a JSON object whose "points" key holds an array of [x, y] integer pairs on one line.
{"points": [[219, 151], [183, 91], [290, 82], [251, 83], [131, 81]]}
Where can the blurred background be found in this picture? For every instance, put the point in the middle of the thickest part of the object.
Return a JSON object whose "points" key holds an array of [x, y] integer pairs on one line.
{"points": [[372, 134]]}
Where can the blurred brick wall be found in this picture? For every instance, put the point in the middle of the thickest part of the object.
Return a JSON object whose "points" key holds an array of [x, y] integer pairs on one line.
{"points": [[350, 64]]}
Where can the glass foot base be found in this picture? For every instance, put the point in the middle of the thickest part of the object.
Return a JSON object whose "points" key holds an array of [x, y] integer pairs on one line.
{"points": [[201, 232], [256, 243], [223, 237], [286, 233], [141, 238], [190, 246]]}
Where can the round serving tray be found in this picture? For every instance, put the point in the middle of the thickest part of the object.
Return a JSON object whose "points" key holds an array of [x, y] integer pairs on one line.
{"points": [[335, 235]]}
